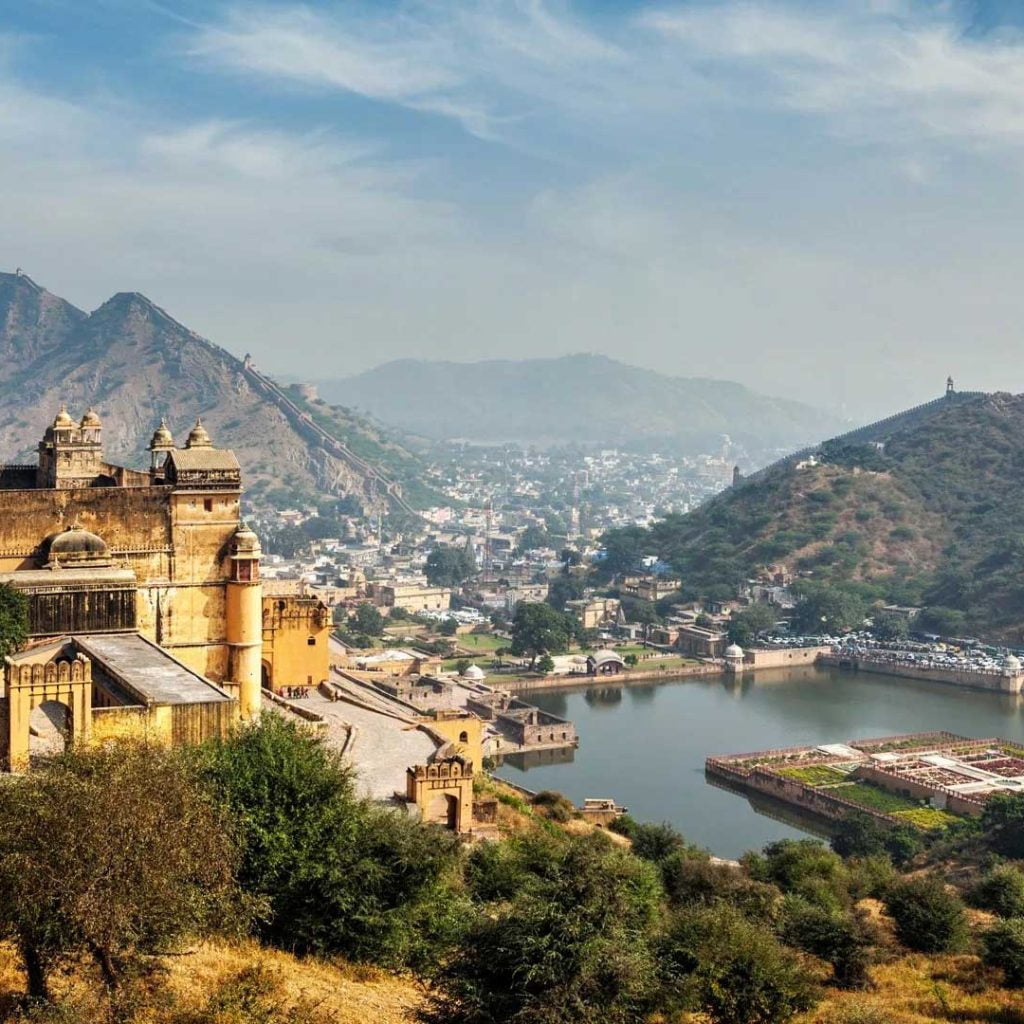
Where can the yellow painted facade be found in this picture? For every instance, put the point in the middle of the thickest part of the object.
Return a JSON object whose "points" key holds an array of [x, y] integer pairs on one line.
{"points": [[296, 635], [108, 553]]}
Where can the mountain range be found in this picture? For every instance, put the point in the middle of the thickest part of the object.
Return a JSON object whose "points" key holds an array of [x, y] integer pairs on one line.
{"points": [[588, 399], [135, 364]]}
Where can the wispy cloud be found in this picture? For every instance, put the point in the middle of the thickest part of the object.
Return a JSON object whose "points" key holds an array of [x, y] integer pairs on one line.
{"points": [[880, 70]]}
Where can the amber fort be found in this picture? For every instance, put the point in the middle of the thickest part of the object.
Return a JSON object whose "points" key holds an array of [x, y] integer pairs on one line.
{"points": [[146, 613]]}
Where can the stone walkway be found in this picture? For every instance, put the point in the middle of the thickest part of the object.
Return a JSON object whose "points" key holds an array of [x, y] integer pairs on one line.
{"points": [[382, 748]]}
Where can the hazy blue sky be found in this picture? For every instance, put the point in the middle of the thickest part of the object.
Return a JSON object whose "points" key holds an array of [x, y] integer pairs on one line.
{"points": [[820, 199]]}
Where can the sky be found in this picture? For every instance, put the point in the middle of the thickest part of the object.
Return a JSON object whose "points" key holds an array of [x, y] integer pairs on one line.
{"points": [[821, 199]]}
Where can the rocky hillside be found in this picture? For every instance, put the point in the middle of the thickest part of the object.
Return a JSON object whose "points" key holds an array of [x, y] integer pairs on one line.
{"points": [[135, 363], [931, 514], [581, 398]]}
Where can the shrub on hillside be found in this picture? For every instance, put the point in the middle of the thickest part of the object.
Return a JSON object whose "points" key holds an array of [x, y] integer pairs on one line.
{"points": [[840, 939], [1002, 824], [571, 946], [732, 969], [1002, 946], [928, 917], [338, 874], [1001, 891]]}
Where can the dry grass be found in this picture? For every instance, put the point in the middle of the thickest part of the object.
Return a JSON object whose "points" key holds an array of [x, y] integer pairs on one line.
{"points": [[923, 990], [300, 991]]}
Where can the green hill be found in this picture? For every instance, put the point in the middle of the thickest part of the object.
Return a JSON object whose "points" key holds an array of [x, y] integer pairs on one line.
{"points": [[928, 512]]}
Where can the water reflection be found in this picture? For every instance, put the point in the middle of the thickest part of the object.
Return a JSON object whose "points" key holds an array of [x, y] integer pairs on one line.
{"points": [[649, 754]]}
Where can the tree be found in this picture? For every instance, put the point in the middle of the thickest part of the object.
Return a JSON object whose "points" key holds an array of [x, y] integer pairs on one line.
{"points": [[631, 659], [1002, 946], [826, 609], [928, 917], [733, 969], [564, 588], [748, 623], [889, 626], [538, 629], [1001, 890], [532, 538], [545, 664], [336, 873], [944, 621], [461, 665], [448, 627], [566, 942], [1002, 824], [449, 567], [861, 835], [117, 853], [13, 620], [368, 620], [838, 938]]}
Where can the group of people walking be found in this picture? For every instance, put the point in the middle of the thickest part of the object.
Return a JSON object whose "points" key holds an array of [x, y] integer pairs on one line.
{"points": [[296, 692]]}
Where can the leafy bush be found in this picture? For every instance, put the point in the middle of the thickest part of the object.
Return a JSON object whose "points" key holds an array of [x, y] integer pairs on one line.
{"points": [[840, 939], [732, 969], [338, 874], [1001, 891], [928, 917], [1002, 946], [1002, 823], [570, 947]]}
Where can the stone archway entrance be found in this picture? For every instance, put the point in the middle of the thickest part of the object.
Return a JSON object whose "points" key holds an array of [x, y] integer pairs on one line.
{"points": [[48, 702]]}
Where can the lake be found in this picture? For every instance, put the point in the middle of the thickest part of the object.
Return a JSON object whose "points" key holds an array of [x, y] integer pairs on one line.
{"points": [[645, 745]]}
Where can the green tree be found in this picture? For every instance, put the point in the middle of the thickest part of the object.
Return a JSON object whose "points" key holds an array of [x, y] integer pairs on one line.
{"points": [[928, 917], [118, 853], [1002, 946], [448, 627], [564, 588], [751, 621], [13, 620], [532, 538], [337, 874], [368, 620], [827, 609], [1002, 824], [545, 664], [889, 626], [1000, 890], [567, 942], [861, 835], [449, 566], [839, 938], [538, 629], [733, 969]]}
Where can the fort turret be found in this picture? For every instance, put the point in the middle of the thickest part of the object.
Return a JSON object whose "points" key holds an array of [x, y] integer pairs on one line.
{"points": [[244, 625]]}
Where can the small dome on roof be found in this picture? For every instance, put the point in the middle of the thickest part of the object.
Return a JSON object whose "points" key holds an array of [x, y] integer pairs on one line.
{"points": [[91, 419], [198, 437], [1011, 664], [161, 437], [63, 419], [473, 672], [734, 651], [245, 542], [76, 544]]}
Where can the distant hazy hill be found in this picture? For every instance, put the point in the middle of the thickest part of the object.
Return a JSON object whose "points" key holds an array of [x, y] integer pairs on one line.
{"points": [[581, 398], [935, 517], [134, 363]]}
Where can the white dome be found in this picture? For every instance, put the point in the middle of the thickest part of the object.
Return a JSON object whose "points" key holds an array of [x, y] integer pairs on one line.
{"points": [[473, 672], [734, 651], [1011, 663]]}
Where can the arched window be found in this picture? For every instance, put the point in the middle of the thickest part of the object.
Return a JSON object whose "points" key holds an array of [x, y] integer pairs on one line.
{"points": [[463, 737]]}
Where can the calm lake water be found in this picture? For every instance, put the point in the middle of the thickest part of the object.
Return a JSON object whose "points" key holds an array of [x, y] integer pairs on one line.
{"points": [[645, 745]]}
